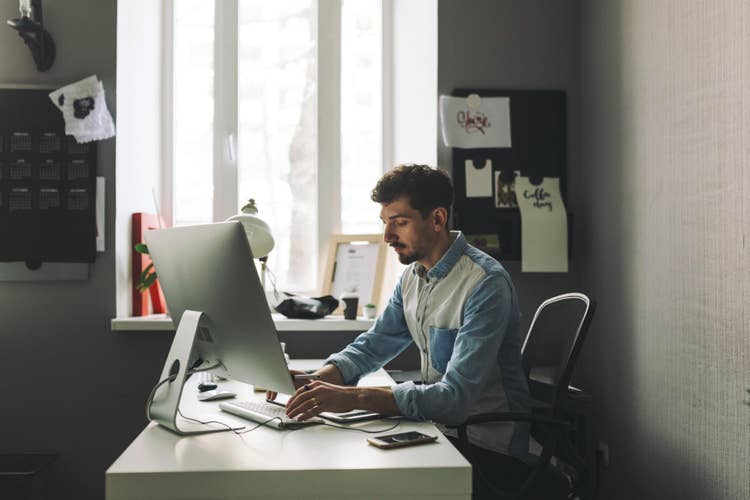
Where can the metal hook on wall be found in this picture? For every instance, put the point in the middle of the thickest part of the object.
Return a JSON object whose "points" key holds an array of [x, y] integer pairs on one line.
{"points": [[31, 30]]}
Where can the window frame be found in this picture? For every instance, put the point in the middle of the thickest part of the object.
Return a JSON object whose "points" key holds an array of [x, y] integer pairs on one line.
{"points": [[226, 119]]}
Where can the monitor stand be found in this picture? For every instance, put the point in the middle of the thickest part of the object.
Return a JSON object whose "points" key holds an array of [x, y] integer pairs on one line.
{"points": [[166, 399]]}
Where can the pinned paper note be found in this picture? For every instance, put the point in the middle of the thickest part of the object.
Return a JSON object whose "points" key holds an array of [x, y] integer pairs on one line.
{"points": [[478, 179], [84, 109], [505, 191], [544, 226], [475, 122]]}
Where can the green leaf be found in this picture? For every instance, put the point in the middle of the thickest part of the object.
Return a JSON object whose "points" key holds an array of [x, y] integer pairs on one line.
{"points": [[146, 271], [141, 248], [146, 283]]}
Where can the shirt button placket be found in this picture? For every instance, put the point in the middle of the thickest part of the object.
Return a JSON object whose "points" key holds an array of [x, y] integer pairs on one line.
{"points": [[421, 312]]}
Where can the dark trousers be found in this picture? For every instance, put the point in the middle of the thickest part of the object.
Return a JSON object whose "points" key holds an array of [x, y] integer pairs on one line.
{"points": [[490, 471]]}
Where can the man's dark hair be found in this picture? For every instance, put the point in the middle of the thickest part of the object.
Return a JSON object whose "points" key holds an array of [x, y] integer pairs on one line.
{"points": [[427, 188]]}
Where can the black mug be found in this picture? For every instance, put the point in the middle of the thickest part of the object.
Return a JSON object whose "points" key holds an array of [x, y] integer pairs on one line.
{"points": [[350, 310]]}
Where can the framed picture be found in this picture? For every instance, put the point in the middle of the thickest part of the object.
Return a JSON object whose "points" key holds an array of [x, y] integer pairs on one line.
{"points": [[355, 265]]}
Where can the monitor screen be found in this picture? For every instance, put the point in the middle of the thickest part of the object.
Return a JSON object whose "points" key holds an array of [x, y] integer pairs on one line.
{"points": [[209, 268]]}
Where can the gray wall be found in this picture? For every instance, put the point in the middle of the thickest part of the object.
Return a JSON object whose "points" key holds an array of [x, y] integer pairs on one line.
{"points": [[69, 384], [510, 44], [665, 121]]}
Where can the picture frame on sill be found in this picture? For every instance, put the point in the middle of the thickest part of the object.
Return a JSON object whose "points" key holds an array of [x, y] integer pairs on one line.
{"points": [[355, 264]]}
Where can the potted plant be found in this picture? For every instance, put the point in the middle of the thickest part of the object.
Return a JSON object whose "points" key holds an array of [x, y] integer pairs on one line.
{"points": [[370, 311], [148, 276], [147, 282]]}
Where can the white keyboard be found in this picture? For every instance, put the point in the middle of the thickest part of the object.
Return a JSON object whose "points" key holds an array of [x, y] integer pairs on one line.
{"points": [[270, 414]]}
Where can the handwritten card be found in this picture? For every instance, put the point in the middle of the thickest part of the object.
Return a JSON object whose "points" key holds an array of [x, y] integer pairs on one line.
{"points": [[482, 125], [544, 226]]}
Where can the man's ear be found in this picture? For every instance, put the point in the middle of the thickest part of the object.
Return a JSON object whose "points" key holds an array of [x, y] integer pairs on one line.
{"points": [[439, 219]]}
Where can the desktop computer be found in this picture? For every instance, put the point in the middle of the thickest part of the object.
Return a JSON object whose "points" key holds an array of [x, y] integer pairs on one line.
{"points": [[222, 319]]}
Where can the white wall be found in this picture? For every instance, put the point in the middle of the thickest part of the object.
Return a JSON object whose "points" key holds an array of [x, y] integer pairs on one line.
{"points": [[139, 127], [414, 86]]}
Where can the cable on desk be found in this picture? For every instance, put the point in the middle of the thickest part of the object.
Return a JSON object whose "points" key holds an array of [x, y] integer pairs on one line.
{"points": [[171, 378], [227, 425], [398, 422]]}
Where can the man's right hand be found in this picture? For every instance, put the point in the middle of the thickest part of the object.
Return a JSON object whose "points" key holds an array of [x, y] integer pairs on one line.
{"points": [[328, 373]]}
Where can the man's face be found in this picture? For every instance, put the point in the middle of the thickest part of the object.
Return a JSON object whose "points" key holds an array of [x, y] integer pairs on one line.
{"points": [[410, 235]]}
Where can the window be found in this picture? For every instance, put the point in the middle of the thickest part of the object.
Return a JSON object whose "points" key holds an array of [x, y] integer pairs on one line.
{"points": [[281, 102]]}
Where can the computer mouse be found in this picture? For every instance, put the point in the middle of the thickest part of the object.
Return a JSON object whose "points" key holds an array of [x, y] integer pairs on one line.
{"points": [[214, 395]]}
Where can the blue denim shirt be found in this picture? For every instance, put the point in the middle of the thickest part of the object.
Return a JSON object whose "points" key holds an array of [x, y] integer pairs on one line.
{"points": [[463, 315]]}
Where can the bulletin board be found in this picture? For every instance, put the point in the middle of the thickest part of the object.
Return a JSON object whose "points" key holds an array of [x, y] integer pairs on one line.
{"points": [[538, 149], [47, 183]]}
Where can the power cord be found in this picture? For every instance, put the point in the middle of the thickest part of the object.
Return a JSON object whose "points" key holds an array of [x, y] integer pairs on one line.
{"points": [[171, 378], [272, 279], [207, 422], [343, 427]]}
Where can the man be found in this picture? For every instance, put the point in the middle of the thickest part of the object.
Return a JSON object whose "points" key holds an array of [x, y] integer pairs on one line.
{"points": [[455, 302]]}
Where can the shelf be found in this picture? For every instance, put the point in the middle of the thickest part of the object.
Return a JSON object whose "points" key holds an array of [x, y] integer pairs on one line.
{"points": [[163, 323]]}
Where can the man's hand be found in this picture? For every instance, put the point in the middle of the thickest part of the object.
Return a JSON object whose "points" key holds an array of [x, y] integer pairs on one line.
{"points": [[328, 373], [317, 396]]}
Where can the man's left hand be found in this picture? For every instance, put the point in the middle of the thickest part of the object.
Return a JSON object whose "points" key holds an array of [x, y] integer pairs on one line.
{"points": [[317, 396]]}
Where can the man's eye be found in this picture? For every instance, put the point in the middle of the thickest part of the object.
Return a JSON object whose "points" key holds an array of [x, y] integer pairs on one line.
{"points": [[401, 223]]}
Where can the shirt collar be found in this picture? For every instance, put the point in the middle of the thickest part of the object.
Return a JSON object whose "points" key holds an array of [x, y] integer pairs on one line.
{"points": [[447, 261]]}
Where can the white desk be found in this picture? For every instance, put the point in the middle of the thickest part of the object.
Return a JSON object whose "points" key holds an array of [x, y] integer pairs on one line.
{"points": [[313, 462], [162, 322]]}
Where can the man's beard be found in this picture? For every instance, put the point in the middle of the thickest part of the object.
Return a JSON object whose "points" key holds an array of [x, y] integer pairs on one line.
{"points": [[408, 258]]}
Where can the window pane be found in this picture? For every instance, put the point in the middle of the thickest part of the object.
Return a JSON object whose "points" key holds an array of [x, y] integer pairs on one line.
{"points": [[361, 114], [277, 145], [193, 111]]}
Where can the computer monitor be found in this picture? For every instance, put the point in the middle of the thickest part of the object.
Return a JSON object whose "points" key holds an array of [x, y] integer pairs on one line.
{"points": [[219, 309]]}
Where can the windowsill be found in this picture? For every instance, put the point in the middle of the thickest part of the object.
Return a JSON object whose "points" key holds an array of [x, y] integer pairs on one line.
{"points": [[163, 323]]}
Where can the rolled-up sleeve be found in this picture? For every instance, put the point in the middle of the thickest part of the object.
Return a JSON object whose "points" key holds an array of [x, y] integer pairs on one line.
{"points": [[486, 317], [385, 340]]}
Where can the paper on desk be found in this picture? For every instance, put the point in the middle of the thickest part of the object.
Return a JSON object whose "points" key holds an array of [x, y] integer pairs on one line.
{"points": [[478, 179], [484, 126], [544, 226]]}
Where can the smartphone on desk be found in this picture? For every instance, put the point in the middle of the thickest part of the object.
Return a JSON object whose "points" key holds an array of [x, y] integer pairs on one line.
{"points": [[401, 439]]}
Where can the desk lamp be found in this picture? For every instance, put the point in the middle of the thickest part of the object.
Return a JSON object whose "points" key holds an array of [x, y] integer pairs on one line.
{"points": [[258, 235]]}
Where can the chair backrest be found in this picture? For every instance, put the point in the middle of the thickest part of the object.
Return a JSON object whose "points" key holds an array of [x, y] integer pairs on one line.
{"points": [[554, 341]]}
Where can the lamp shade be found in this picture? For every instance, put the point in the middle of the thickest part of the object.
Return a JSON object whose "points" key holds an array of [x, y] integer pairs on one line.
{"points": [[258, 232]]}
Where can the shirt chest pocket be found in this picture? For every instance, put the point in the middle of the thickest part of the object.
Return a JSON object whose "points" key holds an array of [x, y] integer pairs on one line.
{"points": [[441, 347]]}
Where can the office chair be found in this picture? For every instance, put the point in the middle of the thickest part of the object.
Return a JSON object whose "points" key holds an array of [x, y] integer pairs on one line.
{"points": [[549, 353]]}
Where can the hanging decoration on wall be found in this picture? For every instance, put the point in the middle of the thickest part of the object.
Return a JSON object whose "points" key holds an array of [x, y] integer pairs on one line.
{"points": [[505, 190], [85, 110], [478, 179], [544, 226], [31, 30], [475, 122]]}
